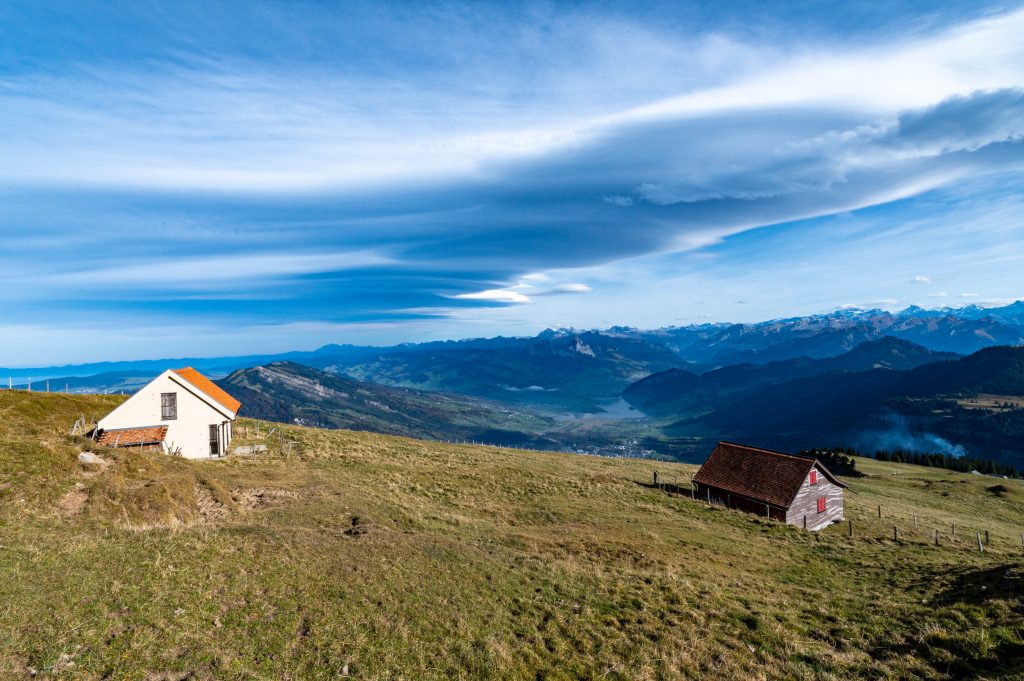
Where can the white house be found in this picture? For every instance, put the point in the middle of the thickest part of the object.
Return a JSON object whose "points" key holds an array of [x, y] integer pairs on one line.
{"points": [[180, 412]]}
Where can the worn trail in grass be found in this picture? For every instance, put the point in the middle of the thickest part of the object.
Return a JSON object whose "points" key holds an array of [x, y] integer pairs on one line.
{"points": [[394, 558]]}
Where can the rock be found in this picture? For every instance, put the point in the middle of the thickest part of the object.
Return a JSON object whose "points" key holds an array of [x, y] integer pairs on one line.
{"points": [[88, 457], [249, 449]]}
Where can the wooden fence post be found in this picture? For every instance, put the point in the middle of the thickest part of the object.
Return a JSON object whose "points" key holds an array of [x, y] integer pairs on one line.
{"points": [[915, 521], [655, 478], [805, 522], [980, 547], [850, 524], [936, 536], [895, 533], [986, 536], [709, 495], [953, 533], [879, 510], [767, 511]]}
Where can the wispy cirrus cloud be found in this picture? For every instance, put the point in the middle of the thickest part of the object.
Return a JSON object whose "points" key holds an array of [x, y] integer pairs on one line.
{"points": [[340, 178]]}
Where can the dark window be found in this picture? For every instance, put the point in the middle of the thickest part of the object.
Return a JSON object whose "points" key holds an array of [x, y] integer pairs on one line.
{"points": [[214, 440], [814, 477], [821, 504], [168, 406]]}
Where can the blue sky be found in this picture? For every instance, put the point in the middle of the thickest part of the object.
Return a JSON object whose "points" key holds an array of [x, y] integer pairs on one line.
{"points": [[197, 178]]}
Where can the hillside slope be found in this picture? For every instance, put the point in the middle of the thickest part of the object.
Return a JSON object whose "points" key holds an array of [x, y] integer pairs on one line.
{"points": [[381, 557], [556, 371], [291, 393], [850, 408], [676, 391]]}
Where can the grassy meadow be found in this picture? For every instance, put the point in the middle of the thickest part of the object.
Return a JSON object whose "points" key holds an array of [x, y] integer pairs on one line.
{"points": [[378, 557]]}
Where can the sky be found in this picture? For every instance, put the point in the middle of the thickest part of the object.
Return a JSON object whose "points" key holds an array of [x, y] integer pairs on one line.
{"points": [[202, 178]]}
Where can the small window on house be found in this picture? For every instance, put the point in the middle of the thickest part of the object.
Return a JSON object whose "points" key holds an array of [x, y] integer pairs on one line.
{"points": [[168, 406], [821, 504], [814, 477], [214, 440]]}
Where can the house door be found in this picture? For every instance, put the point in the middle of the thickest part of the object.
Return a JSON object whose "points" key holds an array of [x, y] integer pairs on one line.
{"points": [[214, 440]]}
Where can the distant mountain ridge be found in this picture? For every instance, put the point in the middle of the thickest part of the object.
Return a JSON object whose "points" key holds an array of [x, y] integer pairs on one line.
{"points": [[931, 407], [292, 393], [561, 371], [676, 390], [569, 371], [963, 330]]}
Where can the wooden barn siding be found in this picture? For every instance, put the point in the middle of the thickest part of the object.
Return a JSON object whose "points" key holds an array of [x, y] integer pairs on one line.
{"points": [[721, 497], [806, 503]]}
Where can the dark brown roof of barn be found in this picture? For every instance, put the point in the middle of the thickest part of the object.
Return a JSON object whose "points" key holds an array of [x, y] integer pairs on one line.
{"points": [[133, 437], [759, 474]]}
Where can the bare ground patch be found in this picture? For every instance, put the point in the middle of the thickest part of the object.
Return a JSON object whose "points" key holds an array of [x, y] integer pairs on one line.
{"points": [[262, 497], [72, 502], [209, 508]]}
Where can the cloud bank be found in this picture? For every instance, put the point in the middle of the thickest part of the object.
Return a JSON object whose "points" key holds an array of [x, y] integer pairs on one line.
{"points": [[230, 184]]}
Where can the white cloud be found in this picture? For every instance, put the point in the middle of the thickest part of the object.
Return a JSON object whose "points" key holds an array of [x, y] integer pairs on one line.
{"points": [[570, 288], [230, 126], [921, 279], [884, 303], [209, 271], [494, 296], [617, 200]]}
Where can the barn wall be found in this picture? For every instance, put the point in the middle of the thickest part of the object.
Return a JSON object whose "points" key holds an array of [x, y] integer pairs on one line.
{"points": [[806, 503], [190, 431], [721, 497]]}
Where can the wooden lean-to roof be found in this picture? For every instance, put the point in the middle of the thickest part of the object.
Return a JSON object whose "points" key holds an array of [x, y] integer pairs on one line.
{"points": [[132, 437], [209, 388], [759, 474]]}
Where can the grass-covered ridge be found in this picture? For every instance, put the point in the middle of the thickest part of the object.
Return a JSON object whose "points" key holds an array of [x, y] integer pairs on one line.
{"points": [[395, 558]]}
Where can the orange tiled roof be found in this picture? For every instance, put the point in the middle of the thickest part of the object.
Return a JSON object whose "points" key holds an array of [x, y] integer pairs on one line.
{"points": [[130, 437], [759, 474], [211, 389]]}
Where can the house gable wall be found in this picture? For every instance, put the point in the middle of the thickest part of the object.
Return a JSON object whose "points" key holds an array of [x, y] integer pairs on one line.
{"points": [[189, 432], [806, 503]]}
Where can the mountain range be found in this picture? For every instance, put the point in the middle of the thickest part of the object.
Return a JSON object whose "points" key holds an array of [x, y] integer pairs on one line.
{"points": [[497, 366], [931, 379], [292, 393], [678, 390], [973, 405]]}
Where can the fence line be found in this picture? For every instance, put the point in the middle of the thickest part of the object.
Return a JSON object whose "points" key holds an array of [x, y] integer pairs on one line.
{"points": [[899, 538]]}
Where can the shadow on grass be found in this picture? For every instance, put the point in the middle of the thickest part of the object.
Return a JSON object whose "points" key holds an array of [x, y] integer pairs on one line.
{"points": [[667, 487]]}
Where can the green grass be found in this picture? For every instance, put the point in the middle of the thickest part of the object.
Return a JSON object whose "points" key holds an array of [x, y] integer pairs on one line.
{"points": [[396, 558]]}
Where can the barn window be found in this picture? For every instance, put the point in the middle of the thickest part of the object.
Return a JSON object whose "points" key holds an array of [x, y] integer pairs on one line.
{"points": [[821, 504], [214, 440], [814, 477], [168, 406]]}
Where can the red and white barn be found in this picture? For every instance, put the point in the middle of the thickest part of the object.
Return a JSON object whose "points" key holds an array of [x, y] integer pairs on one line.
{"points": [[795, 489]]}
